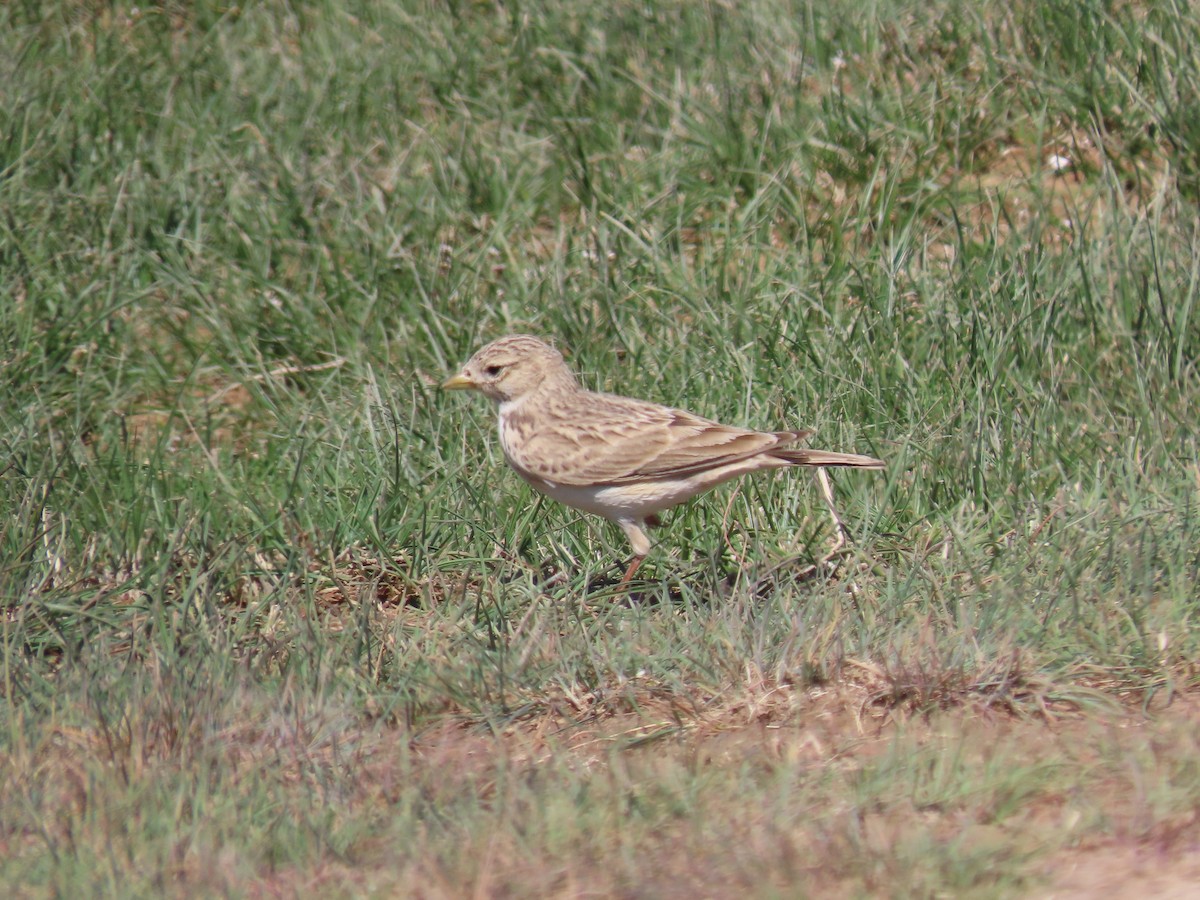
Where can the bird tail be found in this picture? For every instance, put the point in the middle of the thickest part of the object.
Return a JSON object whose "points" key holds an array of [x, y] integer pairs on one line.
{"points": [[803, 457]]}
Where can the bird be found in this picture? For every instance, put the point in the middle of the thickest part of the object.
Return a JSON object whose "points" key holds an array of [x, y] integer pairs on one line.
{"points": [[623, 459]]}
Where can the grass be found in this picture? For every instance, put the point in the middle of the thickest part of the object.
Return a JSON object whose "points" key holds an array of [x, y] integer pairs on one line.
{"points": [[278, 620]]}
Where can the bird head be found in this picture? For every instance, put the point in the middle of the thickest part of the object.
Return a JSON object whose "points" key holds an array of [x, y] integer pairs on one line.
{"points": [[510, 368]]}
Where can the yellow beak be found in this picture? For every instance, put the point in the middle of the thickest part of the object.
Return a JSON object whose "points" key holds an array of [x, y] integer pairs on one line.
{"points": [[459, 382]]}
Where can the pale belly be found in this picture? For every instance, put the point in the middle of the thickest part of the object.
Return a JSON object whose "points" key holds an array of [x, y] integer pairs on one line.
{"points": [[621, 501]]}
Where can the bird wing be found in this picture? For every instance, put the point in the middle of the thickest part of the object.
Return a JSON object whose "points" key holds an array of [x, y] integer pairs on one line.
{"points": [[588, 439]]}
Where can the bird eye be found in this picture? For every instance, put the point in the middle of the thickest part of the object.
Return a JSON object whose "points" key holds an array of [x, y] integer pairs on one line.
{"points": [[492, 371]]}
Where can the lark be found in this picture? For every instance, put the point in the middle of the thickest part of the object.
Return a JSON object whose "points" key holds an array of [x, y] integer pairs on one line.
{"points": [[624, 459]]}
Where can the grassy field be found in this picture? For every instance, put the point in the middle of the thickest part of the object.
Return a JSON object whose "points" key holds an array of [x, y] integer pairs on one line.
{"points": [[278, 621]]}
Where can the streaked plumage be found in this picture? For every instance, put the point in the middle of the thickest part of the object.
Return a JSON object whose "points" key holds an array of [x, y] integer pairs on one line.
{"points": [[617, 457]]}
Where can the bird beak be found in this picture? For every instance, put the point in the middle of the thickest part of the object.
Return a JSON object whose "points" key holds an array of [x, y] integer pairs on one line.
{"points": [[459, 382]]}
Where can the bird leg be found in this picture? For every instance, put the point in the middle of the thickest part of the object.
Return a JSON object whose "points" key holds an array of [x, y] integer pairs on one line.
{"points": [[633, 565], [635, 530]]}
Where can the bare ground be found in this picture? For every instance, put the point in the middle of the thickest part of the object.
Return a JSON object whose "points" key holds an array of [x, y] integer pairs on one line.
{"points": [[1061, 804]]}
